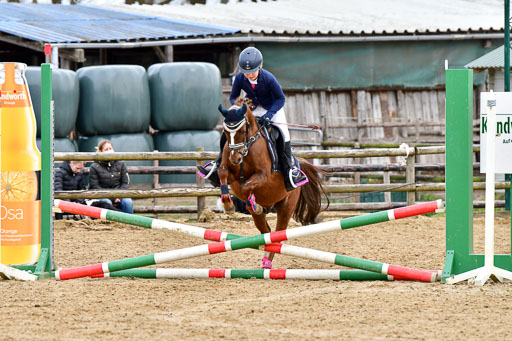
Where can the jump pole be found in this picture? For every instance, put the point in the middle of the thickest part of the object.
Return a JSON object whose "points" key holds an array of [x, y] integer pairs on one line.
{"points": [[275, 237], [218, 236], [330, 258], [307, 274], [290, 250], [146, 222]]}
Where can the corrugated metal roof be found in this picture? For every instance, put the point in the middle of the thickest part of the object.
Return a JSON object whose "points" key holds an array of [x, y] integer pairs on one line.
{"points": [[79, 23], [339, 17], [492, 60]]}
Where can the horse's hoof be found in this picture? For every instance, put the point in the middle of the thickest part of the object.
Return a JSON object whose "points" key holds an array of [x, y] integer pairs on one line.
{"points": [[266, 264], [229, 210]]}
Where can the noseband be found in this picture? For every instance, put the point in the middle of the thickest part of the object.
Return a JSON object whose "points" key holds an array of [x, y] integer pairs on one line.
{"points": [[248, 141]]}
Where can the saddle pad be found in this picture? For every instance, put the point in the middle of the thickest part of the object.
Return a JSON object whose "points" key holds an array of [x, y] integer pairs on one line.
{"points": [[271, 146], [274, 138]]}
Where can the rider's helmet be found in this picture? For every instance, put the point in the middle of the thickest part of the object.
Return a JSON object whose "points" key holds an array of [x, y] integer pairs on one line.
{"points": [[250, 60]]}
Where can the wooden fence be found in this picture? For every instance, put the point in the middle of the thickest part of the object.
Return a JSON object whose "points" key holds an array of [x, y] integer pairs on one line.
{"points": [[409, 166], [413, 116]]}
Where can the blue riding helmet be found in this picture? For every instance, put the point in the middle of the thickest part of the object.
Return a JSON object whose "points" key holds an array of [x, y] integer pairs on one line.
{"points": [[250, 60]]}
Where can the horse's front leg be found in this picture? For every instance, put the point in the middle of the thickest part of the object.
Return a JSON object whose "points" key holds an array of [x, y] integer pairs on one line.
{"points": [[223, 173], [260, 220], [257, 180]]}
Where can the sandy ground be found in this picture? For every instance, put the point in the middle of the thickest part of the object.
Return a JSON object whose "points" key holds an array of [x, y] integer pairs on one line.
{"points": [[234, 309]]}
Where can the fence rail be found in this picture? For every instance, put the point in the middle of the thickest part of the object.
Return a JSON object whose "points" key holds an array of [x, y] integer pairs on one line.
{"points": [[213, 192], [199, 191], [332, 207], [306, 154], [392, 167]]}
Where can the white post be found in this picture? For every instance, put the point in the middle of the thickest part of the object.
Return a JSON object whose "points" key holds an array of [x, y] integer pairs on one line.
{"points": [[490, 164], [55, 57]]}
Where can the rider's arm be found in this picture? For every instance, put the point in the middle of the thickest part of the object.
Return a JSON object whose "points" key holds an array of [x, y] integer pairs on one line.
{"points": [[277, 94], [236, 88]]}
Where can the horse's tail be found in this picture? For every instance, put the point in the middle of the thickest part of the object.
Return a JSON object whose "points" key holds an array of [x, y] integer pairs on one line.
{"points": [[310, 200]]}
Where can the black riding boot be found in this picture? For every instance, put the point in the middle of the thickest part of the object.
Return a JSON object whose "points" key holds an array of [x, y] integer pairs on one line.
{"points": [[209, 171], [293, 177]]}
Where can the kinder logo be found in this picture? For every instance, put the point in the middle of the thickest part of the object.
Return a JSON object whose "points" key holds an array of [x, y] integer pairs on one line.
{"points": [[11, 213], [12, 96]]}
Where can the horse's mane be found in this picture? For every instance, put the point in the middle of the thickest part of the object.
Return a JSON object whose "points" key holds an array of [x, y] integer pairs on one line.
{"points": [[239, 102]]}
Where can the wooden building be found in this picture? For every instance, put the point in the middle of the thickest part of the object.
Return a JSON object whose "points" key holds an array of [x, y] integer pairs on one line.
{"points": [[370, 71]]}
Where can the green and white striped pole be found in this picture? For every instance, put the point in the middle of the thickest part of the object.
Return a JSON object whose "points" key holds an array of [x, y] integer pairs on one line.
{"points": [[273, 237], [308, 274], [290, 250], [137, 220], [351, 262], [214, 235]]}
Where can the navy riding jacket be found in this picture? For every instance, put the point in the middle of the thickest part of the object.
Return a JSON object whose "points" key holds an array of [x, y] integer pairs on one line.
{"points": [[267, 92]]}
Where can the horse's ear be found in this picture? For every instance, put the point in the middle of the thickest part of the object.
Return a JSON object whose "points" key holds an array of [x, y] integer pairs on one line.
{"points": [[243, 110], [223, 111]]}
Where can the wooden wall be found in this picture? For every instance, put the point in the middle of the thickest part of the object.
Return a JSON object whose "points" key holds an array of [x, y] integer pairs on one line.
{"points": [[394, 116]]}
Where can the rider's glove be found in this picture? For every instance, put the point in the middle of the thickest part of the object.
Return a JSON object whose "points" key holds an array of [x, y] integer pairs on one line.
{"points": [[266, 118]]}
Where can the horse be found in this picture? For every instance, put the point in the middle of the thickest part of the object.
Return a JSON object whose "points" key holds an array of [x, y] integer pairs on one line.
{"points": [[246, 168]]}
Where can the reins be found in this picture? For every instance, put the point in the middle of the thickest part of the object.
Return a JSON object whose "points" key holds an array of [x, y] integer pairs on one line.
{"points": [[248, 142]]}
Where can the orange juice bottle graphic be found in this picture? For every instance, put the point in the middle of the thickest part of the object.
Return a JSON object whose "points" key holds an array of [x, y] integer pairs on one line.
{"points": [[20, 167]]}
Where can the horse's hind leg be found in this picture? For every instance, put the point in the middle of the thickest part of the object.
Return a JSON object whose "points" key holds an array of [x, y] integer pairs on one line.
{"points": [[262, 225]]}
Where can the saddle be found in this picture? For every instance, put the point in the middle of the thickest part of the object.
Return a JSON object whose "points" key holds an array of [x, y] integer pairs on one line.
{"points": [[275, 146]]}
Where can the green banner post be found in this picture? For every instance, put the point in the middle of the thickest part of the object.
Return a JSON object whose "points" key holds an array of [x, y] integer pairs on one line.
{"points": [[459, 179]]}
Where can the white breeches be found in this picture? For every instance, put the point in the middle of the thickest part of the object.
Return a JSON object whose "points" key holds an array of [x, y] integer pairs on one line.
{"points": [[279, 120]]}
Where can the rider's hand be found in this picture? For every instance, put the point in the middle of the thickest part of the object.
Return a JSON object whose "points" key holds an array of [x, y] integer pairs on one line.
{"points": [[265, 119]]}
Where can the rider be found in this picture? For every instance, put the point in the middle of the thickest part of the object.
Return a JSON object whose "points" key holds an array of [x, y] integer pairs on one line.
{"points": [[266, 94]]}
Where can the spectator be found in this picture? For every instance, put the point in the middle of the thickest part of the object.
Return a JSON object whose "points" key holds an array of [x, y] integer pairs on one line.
{"points": [[69, 177], [110, 175]]}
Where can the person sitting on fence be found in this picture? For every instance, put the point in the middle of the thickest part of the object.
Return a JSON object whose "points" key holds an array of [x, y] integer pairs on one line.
{"points": [[268, 98], [69, 177], [109, 175]]}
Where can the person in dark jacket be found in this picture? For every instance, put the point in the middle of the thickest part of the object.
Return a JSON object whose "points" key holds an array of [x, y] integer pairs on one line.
{"points": [[69, 177], [110, 175]]}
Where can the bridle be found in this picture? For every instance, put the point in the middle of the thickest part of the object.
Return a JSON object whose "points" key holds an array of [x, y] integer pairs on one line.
{"points": [[248, 141], [246, 144]]}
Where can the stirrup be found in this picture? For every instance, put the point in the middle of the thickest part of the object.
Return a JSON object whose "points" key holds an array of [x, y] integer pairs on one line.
{"points": [[297, 177], [203, 170]]}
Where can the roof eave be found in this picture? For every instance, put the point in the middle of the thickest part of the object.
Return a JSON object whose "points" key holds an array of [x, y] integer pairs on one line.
{"points": [[252, 38]]}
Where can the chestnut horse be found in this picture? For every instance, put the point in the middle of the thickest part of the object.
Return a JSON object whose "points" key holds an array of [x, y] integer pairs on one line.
{"points": [[246, 167]]}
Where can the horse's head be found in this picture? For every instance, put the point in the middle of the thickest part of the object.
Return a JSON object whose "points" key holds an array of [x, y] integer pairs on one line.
{"points": [[239, 127]]}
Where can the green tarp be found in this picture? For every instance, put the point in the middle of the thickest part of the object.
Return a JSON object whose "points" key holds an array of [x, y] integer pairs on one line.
{"points": [[366, 65]]}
